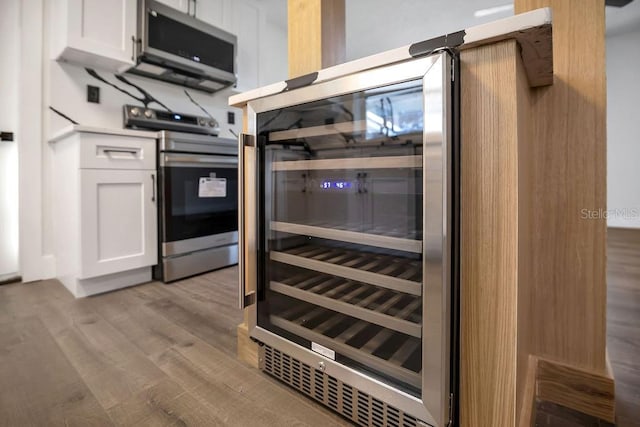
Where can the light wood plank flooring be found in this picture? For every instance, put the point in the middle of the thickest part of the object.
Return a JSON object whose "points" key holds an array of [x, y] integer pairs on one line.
{"points": [[623, 321], [165, 355], [148, 355]]}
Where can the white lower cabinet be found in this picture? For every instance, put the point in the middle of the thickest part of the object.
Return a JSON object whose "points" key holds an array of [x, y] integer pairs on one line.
{"points": [[118, 220], [104, 208]]}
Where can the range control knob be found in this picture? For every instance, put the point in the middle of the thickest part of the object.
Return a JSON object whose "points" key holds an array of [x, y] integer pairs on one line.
{"points": [[135, 111], [148, 114], [213, 123]]}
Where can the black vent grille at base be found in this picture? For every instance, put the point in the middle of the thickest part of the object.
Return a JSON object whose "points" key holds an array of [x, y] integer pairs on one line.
{"points": [[357, 406]]}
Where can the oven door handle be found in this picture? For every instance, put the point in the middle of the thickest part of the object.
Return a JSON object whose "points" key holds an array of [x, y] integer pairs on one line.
{"points": [[197, 160], [246, 145]]}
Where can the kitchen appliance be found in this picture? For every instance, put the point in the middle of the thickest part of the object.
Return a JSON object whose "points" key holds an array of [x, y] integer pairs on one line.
{"points": [[178, 48], [148, 118], [348, 229], [197, 193]]}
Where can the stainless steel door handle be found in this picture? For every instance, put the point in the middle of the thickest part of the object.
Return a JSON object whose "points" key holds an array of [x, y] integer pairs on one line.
{"points": [[245, 300], [153, 188]]}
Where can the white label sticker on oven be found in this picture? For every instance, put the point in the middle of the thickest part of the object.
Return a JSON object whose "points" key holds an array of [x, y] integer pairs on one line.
{"points": [[212, 187], [323, 351]]}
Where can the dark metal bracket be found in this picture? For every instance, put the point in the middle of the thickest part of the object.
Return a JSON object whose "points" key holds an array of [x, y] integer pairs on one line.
{"points": [[250, 299], [248, 140]]}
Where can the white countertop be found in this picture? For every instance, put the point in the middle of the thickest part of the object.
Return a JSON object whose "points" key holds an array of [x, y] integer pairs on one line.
{"points": [[63, 133]]}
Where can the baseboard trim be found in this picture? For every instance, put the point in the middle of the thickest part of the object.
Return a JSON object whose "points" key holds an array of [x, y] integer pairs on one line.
{"points": [[6, 279]]}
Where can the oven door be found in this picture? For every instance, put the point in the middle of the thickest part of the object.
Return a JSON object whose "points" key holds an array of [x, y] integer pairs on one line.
{"points": [[348, 231], [199, 206]]}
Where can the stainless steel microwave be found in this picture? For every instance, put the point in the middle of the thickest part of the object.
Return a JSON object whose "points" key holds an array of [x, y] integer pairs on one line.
{"points": [[178, 48]]}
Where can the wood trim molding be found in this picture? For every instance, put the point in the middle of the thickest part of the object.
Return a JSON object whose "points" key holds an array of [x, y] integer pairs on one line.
{"points": [[247, 349], [578, 389], [584, 391], [527, 410]]}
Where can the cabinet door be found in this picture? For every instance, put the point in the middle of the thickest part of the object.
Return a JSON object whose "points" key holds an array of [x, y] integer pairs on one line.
{"points": [[118, 220], [181, 5], [101, 36]]}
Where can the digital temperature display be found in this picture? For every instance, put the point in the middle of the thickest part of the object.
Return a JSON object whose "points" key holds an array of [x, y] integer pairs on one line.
{"points": [[336, 185]]}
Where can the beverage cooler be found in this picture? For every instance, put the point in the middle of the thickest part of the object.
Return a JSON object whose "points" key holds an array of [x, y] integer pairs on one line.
{"points": [[348, 240]]}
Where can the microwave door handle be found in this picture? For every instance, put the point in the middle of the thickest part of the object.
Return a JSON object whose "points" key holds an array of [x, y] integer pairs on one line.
{"points": [[245, 143]]}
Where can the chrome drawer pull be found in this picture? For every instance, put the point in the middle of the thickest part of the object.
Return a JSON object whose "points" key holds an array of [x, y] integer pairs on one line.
{"points": [[111, 150]]}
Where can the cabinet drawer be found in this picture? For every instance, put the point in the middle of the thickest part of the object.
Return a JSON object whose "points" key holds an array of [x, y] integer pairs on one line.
{"points": [[99, 151]]}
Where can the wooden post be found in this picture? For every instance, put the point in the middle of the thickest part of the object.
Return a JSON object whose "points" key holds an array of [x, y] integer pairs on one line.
{"points": [[493, 113], [567, 299], [316, 41], [316, 35], [533, 297]]}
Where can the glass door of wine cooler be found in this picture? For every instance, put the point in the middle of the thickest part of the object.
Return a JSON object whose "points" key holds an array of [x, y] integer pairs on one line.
{"points": [[349, 182]]}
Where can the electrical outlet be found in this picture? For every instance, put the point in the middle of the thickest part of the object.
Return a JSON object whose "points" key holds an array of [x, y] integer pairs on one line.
{"points": [[231, 117], [93, 94]]}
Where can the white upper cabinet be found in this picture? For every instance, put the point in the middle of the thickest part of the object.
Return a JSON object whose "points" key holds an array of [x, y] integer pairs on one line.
{"points": [[88, 33]]}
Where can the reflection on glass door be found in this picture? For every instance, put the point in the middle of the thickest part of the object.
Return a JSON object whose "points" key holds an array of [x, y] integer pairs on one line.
{"points": [[342, 199]]}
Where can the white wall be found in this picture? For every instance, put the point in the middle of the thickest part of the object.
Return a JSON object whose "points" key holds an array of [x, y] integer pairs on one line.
{"points": [[373, 26], [34, 262], [623, 129], [9, 33], [273, 63]]}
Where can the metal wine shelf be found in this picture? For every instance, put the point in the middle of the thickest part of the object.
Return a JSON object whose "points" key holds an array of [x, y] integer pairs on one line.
{"points": [[390, 272], [346, 235], [330, 129], [387, 351], [359, 300], [387, 162]]}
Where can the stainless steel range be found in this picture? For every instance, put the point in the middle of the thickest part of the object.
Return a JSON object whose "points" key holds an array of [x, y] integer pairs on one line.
{"points": [[197, 191]]}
